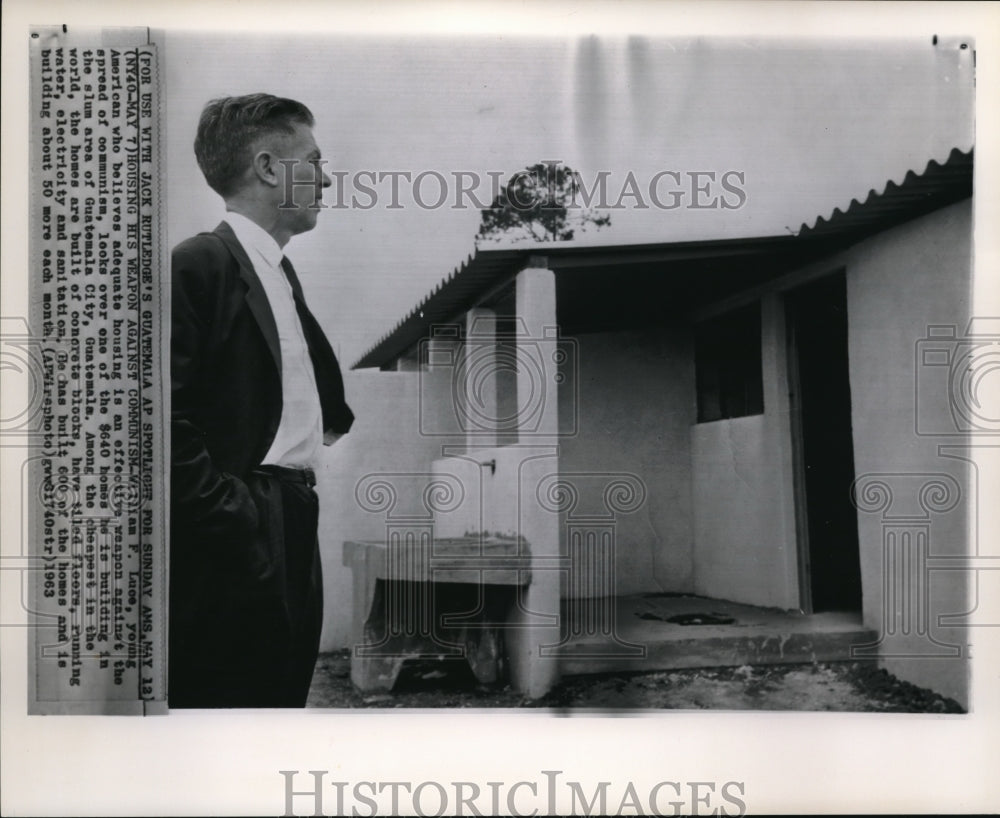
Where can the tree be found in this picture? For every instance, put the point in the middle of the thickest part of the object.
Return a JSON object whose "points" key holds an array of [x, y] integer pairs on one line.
{"points": [[535, 205]]}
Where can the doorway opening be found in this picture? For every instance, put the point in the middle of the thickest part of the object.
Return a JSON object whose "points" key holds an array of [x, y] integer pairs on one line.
{"points": [[820, 394]]}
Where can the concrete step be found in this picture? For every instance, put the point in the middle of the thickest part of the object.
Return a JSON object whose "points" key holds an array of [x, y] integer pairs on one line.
{"points": [[643, 639]]}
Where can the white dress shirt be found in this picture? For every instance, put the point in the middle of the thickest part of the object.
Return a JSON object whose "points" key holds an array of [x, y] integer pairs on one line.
{"points": [[300, 432]]}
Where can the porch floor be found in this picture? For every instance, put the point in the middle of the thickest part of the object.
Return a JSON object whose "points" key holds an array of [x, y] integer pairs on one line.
{"points": [[717, 634]]}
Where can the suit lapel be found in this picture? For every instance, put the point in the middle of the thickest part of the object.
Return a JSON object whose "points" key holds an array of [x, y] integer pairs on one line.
{"points": [[256, 298]]}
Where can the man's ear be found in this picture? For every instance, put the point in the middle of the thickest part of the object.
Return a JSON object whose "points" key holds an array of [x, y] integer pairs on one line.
{"points": [[265, 168]]}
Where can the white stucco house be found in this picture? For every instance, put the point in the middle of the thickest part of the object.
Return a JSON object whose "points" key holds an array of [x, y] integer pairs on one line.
{"points": [[776, 421]]}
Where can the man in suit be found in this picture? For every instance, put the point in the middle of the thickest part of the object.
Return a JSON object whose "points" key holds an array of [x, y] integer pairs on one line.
{"points": [[256, 391]]}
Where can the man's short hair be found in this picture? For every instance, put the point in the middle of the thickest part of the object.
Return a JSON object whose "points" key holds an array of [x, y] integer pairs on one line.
{"points": [[230, 127]]}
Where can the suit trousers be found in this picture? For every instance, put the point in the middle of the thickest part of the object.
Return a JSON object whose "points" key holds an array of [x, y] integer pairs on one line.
{"points": [[248, 635]]}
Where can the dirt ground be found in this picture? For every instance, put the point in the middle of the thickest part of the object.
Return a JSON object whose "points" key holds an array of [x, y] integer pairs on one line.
{"points": [[831, 686]]}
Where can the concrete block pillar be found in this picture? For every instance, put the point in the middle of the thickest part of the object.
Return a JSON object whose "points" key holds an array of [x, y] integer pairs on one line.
{"points": [[778, 428], [408, 363], [537, 354], [439, 356], [535, 620], [441, 349], [476, 381]]}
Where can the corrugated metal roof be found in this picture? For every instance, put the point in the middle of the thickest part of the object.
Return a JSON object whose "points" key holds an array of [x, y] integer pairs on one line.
{"points": [[938, 185], [455, 293]]}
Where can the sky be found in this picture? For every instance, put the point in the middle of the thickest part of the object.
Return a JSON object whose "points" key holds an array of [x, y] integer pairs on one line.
{"points": [[807, 124]]}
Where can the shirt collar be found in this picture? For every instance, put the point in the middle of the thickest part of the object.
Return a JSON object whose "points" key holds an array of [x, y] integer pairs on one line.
{"points": [[253, 237]]}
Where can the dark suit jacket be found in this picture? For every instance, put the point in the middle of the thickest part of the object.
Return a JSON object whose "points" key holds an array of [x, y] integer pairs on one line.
{"points": [[226, 406]]}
